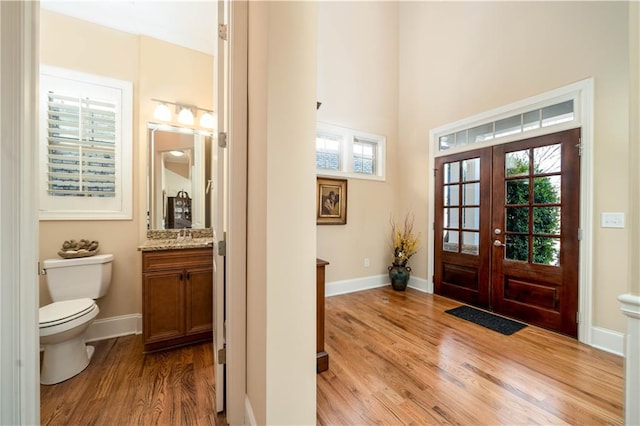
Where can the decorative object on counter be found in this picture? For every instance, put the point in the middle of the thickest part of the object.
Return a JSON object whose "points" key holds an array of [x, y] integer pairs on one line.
{"points": [[404, 244], [331, 201], [72, 249]]}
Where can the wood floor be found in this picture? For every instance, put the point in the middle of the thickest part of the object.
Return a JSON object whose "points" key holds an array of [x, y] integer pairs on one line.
{"points": [[397, 358], [121, 386]]}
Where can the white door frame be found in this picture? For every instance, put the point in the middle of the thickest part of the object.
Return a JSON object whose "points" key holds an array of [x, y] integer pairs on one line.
{"points": [[236, 265], [582, 92], [19, 299]]}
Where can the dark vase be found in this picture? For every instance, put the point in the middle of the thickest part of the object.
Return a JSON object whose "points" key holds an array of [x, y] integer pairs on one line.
{"points": [[399, 276]]}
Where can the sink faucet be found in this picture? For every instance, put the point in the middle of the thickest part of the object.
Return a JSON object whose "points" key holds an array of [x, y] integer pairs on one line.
{"points": [[184, 234]]}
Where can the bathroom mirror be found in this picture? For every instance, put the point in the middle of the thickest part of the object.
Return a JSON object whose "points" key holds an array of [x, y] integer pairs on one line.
{"points": [[178, 178]]}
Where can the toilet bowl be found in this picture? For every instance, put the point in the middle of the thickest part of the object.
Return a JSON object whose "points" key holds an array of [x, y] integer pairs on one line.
{"points": [[73, 285], [62, 328]]}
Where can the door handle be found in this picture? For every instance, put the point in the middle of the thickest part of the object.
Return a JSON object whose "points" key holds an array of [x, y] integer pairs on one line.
{"points": [[498, 243]]}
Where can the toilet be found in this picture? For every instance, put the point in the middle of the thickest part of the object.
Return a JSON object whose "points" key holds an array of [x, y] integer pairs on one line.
{"points": [[73, 285]]}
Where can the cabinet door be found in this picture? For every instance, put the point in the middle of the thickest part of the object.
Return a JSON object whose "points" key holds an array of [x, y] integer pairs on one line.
{"points": [[199, 300], [164, 301]]}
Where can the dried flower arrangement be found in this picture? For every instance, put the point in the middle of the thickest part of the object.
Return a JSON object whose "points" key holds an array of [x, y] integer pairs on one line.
{"points": [[405, 243]]}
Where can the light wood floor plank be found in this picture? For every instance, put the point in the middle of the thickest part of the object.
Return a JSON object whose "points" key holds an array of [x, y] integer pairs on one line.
{"points": [[397, 358]]}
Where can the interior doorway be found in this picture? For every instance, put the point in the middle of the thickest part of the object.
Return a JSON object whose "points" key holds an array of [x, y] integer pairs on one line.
{"points": [[507, 229]]}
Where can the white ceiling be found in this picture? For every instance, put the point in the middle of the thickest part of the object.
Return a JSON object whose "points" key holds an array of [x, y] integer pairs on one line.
{"points": [[190, 24]]}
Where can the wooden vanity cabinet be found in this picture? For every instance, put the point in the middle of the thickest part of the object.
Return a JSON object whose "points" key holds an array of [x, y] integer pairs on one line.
{"points": [[177, 297]]}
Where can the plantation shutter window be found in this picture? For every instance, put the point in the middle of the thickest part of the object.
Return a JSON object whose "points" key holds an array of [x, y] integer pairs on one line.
{"points": [[85, 146], [81, 146]]}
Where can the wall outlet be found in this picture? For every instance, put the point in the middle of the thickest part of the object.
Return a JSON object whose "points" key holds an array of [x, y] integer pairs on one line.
{"points": [[366, 262], [612, 220]]}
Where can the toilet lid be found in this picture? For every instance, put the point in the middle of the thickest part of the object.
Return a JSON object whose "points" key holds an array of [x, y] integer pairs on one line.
{"points": [[64, 311]]}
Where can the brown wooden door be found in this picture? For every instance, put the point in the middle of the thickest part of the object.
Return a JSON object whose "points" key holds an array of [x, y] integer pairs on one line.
{"points": [[462, 206], [525, 261], [536, 204]]}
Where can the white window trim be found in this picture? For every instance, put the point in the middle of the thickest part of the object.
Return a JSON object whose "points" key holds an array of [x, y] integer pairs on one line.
{"points": [[348, 136], [124, 173], [582, 93]]}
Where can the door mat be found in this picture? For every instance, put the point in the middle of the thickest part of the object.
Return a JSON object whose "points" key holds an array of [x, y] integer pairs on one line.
{"points": [[486, 319]]}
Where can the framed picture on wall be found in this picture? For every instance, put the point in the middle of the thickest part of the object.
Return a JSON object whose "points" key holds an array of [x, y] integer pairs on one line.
{"points": [[331, 201]]}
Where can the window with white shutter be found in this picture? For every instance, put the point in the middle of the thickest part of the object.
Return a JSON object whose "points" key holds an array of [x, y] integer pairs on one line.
{"points": [[86, 146]]}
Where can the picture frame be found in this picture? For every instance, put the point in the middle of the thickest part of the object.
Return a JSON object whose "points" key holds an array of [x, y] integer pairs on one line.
{"points": [[331, 200]]}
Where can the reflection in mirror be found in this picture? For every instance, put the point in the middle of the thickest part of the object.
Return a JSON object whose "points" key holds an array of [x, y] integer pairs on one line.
{"points": [[178, 178]]}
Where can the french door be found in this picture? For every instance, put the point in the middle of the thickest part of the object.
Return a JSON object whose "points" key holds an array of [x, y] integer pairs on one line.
{"points": [[506, 229]]}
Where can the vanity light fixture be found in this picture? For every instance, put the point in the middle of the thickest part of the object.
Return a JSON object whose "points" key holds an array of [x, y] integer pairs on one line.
{"points": [[186, 114], [176, 153], [208, 120], [162, 112]]}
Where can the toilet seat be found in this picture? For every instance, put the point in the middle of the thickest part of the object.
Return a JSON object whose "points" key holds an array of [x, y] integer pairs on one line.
{"points": [[58, 313]]}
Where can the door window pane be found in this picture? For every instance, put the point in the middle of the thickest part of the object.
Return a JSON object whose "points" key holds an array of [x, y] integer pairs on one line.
{"points": [[546, 251], [517, 247], [546, 190], [517, 219], [471, 243], [546, 220], [471, 169], [531, 120], [452, 172], [471, 194], [452, 195], [517, 191], [509, 126], [451, 218], [450, 241], [546, 159], [481, 133], [471, 218], [517, 163]]}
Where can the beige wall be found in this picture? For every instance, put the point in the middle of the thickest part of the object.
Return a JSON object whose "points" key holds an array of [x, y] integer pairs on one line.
{"points": [[358, 88], [157, 70], [281, 376], [634, 147], [460, 59]]}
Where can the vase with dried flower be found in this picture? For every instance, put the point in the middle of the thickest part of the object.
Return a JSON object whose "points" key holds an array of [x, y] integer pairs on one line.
{"points": [[404, 244]]}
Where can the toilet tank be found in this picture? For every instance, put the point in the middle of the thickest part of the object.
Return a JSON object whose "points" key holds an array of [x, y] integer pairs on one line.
{"points": [[88, 277]]}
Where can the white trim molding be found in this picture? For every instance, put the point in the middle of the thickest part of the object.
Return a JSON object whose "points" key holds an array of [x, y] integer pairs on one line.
{"points": [[249, 417], [631, 308], [19, 355], [108, 328], [607, 340], [336, 288]]}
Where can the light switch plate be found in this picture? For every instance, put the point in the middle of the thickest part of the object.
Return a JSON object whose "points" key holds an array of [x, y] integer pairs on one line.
{"points": [[611, 220]]}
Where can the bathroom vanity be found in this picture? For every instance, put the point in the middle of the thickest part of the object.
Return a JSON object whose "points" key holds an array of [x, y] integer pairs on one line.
{"points": [[177, 292]]}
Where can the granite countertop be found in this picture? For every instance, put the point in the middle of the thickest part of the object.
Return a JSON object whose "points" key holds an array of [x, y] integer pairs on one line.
{"points": [[171, 239]]}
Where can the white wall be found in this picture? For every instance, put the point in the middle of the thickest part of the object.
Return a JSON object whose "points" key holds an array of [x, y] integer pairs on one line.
{"points": [[281, 375], [358, 88]]}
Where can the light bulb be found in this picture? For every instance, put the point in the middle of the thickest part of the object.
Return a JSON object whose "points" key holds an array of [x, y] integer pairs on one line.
{"points": [[185, 116], [208, 120], [162, 113]]}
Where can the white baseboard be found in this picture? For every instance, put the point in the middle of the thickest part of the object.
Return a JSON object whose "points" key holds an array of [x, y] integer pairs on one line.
{"points": [[249, 417], [607, 340], [107, 328], [420, 284], [336, 288]]}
